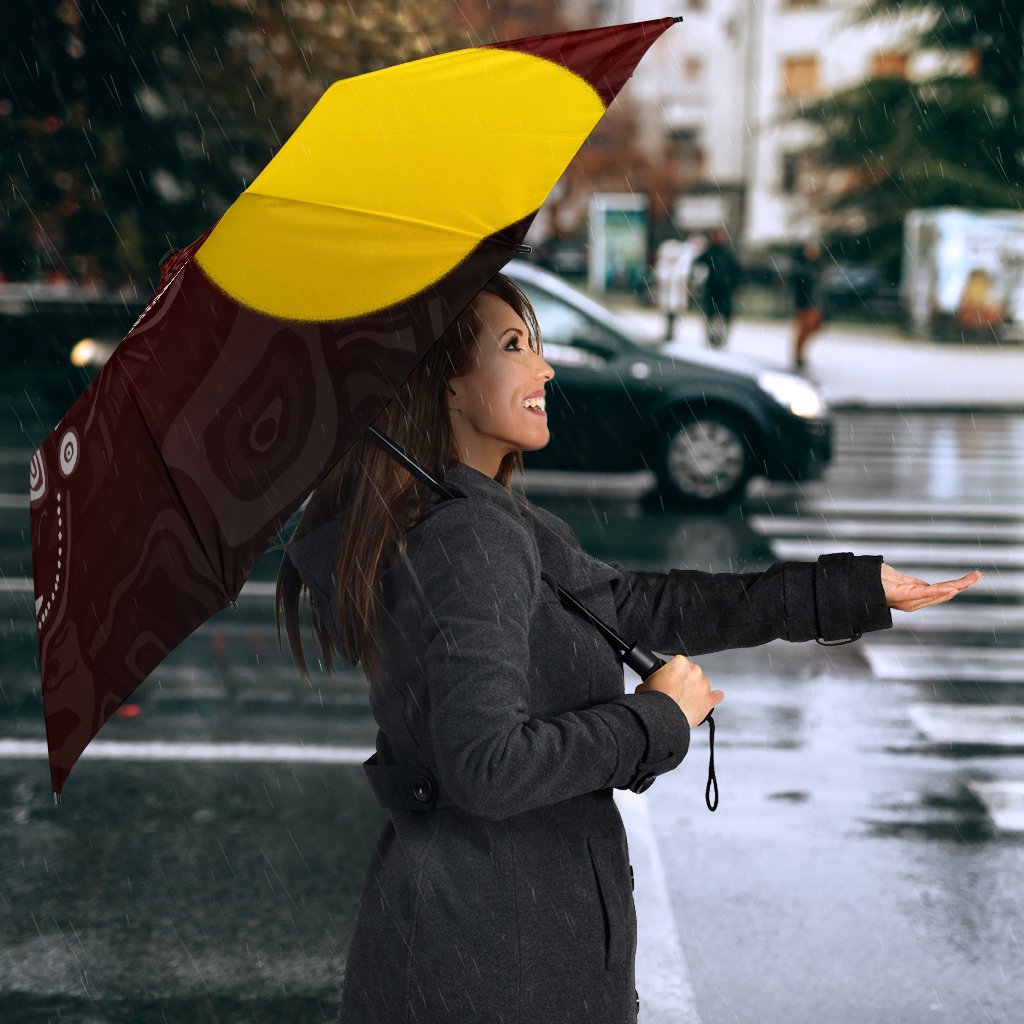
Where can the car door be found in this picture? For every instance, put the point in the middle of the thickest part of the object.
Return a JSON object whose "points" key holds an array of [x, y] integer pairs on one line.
{"points": [[594, 424]]}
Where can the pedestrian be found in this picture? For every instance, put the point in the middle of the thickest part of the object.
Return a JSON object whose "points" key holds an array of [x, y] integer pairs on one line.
{"points": [[803, 280], [672, 266], [721, 276], [500, 886]]}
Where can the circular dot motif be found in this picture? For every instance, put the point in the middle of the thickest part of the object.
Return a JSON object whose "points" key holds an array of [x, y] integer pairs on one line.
{"points": [[60, 555], [68, 452]]}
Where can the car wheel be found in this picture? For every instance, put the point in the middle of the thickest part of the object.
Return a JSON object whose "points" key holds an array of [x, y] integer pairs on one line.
{"points": [[705, 461]]}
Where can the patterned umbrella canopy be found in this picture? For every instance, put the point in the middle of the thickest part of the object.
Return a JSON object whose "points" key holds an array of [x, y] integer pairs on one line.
{"points": [[278, 336]]}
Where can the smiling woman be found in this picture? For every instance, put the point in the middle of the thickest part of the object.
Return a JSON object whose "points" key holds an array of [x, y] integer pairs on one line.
{"points": [[500, 886], [498, 407]]}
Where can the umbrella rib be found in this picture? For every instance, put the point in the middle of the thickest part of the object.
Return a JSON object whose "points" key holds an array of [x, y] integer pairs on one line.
{"points": [[136, 401], [373, 213]]}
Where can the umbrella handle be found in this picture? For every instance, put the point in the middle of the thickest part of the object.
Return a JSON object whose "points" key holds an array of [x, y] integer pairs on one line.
{"points": [[645, 663]]}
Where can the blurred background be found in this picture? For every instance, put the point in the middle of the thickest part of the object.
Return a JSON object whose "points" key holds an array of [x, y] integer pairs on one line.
{"points": [[868, 158]]}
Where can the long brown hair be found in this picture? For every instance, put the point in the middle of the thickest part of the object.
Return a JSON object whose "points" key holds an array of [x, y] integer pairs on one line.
{"points": [[369, 488]]}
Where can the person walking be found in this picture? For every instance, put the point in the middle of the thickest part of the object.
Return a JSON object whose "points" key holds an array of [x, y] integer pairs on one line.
{"points": [[500, 887], [721, 272], [803, 280]]}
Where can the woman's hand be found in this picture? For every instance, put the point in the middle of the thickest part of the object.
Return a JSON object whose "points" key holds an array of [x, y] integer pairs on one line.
{"points": [[908, 593], [687, 685]]}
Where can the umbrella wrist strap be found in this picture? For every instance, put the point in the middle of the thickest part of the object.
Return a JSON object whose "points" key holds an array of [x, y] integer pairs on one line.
{"points": [[712, 779]]}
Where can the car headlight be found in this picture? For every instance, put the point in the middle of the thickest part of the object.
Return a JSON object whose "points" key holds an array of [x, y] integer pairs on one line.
{"points": [[799, 397]]}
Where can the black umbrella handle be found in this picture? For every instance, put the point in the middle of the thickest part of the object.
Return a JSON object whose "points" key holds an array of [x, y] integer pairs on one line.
{"points": [[645, 663]]}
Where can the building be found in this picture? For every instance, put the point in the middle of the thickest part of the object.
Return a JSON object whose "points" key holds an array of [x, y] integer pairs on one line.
{"points": [[724, 84]]}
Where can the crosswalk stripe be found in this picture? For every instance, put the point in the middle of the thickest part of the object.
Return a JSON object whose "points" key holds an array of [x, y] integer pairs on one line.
{"points": [[995, 583], [899, 507], [961, 618], [970, 556], [1004, 802], [952, 664], [951, 529], [971, 725]]}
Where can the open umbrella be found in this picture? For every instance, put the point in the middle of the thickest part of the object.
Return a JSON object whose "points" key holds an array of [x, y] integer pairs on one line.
{"points": [[278, 336]]}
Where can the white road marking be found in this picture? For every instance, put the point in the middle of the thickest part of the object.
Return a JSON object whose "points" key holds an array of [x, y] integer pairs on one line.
{"points": [[961, 618], [662, 975], [906, 529], [972, 556], [953, 664], [970, 725], [827, 505], [1004, 802], [259, 753]]}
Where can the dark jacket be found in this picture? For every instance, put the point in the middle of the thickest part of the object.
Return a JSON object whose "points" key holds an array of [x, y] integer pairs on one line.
{"points": [[723, 277], [803, 281], [507, 898]]}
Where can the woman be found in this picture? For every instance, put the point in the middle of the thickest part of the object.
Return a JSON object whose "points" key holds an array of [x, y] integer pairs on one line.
{"points": [[500, 887]]}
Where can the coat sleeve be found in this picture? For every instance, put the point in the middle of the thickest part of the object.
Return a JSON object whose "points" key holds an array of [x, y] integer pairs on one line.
{"points": [[477, 570], [688, 612]]}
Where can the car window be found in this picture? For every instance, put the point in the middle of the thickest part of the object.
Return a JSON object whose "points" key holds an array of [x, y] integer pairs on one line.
{"points": [[563, 326]]}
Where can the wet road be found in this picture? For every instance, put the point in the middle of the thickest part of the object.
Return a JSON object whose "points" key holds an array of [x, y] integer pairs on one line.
{"points": [[864, 863]]}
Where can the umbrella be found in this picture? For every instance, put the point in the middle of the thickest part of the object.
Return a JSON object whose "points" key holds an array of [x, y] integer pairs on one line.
{"points": [[278, 336]]}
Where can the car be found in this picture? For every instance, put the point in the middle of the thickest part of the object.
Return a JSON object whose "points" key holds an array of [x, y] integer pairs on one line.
{"points": [[702, 424]]}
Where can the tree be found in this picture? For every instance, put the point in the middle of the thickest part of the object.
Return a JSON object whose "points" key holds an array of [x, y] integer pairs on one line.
{"points": [[131, 125], [889, 145]]}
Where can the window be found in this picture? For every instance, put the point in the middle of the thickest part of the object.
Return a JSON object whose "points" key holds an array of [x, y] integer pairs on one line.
{"points": [[688, 151], [563, 328], [889, 64], [800, 76]]}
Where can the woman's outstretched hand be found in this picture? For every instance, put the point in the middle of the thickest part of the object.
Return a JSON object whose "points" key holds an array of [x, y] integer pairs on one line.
{"points": [[908, 593]]}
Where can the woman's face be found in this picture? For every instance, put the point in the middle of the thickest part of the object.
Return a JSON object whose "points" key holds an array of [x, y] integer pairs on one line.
{"points": [[488, 416]]}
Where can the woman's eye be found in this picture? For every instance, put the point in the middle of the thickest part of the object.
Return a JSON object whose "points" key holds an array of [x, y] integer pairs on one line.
{"points": [[514, 342]]}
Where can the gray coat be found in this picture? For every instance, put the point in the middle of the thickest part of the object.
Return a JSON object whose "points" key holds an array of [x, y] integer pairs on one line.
{"points": [[500, 888]]}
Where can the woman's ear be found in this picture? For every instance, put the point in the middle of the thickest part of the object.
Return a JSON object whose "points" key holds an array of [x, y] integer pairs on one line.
{"points": [[451, 393]]}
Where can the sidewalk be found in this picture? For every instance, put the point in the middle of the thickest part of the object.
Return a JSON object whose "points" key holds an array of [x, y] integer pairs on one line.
{"points": [[863, 365]]}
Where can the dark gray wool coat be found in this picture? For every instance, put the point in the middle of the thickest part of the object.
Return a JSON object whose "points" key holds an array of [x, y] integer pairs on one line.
{"points": [[505, 896]]}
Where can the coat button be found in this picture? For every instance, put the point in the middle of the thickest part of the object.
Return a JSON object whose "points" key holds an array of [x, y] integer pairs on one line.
{"points": [[631, 885], [423, 789], [643, 783], [637, 994]]}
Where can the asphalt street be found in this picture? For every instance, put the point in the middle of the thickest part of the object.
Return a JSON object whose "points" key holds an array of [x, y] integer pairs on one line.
{"points": [[863, 864]]}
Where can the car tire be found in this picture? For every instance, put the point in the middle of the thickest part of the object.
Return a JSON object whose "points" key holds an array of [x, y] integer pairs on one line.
{"points": [[706, 460]]}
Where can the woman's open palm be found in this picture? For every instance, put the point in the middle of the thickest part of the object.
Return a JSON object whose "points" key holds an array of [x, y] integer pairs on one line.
{"points": [[908, 593]]}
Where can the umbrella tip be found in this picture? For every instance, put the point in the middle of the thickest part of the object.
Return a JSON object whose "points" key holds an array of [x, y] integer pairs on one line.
{"points": [[677, 20], [56, 799], [524, 248]]}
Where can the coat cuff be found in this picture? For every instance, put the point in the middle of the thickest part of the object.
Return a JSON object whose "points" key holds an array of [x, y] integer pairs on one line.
{"points": [[668, 735], [849, 597]]}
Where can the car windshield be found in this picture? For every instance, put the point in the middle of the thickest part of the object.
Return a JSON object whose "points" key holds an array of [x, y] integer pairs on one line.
{"points": [[567, 320]]}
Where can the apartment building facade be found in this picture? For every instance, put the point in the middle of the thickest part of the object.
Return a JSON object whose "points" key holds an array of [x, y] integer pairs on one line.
{"points": [[723, 85]]}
